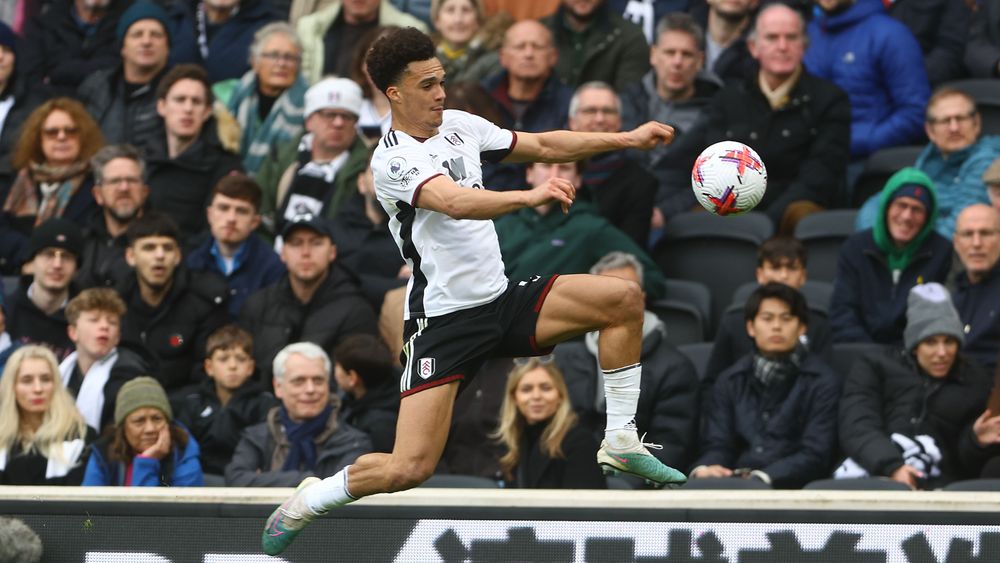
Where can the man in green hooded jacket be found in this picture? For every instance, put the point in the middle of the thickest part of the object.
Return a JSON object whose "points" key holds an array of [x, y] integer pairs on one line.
{"points": [[878, 266]]}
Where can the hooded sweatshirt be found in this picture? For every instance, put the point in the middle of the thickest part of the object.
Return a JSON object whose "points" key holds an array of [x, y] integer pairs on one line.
{"points": [[900, 257]]}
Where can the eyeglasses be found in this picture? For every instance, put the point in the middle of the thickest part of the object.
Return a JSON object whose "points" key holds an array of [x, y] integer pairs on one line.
{"points": [[54, 132], [592, 111], [962, 119], [331, 115], [969, 234], [275, 56], [546, 359], [122, 181]]}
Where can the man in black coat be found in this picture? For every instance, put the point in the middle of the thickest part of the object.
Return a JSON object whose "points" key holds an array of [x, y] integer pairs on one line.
{"points": [[918, 415], [68, 42], [368, 381], [773, 414], [171, 311], [942, 29], [668, 399], [799, 124], [977, 287], [316, 302]]}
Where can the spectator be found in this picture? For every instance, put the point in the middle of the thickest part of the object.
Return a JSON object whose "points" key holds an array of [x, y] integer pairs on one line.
{"points": [[217, 34], [18, 542], [122, 99], [302, 437], [676, 92], [617, 184], [878, 266], [877, 61], [779, 260], [774, 412], [545, 446], [594, 43], [171, 311], [798, 123], [234, 251], [97, 369], [955, 159], [42, 436], [992, 180], [315, 173], [645, 13], [917, 415], [7, 345], [269, 99], [317, 302], [37, 308], [982, 50], [668, 399], [146, 447], [727, 25], [121, 193], [330, 33], [977, 287], [941, 27], [543, 241], [17, 100], [68, 42], [189, 159], [53, 173], [527, 92], [375, 119], [366, 248], [219, 408], [365, 374], [464, 46]]}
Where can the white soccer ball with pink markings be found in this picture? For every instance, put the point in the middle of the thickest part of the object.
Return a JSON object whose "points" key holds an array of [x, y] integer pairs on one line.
{"points": [[729, 178]]}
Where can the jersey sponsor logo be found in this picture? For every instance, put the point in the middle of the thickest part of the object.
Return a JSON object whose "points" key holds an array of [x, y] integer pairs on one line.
{"points": [[456, 168], [425, 367], [395, 167], [454, 139]]}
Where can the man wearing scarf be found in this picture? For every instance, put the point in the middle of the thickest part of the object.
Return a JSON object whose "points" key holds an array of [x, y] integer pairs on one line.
{"points": [[302, 437], [773, 414], [878, 266]]}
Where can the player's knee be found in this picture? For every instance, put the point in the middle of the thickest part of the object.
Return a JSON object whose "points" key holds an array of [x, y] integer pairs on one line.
{"points": [[410, 474], [631, 302]]}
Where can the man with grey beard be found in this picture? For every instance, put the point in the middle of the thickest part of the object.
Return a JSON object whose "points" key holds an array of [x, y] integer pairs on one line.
{"points": [[121, 192], [68, 42]]}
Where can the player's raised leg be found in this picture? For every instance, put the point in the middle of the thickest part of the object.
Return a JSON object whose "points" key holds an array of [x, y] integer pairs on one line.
{"points": [[583, 303], [421, 433]]}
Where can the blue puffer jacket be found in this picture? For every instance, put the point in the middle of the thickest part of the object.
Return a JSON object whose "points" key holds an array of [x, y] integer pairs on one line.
{"points": [[179, 469], [878, 62]]}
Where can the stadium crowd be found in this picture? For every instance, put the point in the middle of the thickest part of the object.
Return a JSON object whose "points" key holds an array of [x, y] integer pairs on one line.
{"points": [[201, 289]]}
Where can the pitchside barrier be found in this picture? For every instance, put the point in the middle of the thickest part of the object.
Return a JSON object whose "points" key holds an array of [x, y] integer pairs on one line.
{"points": [[215, 525]]}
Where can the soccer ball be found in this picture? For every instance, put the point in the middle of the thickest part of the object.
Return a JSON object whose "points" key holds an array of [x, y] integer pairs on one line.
{"points": [[729, 178]]}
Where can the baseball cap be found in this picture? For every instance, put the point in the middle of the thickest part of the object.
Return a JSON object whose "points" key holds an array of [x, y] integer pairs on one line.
{"points": [[56, 233], [333, 93], [307, 221]]}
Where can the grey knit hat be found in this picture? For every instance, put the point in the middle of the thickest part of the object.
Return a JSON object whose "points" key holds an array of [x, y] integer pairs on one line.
{"points": [[929, 312], [143, 391]]}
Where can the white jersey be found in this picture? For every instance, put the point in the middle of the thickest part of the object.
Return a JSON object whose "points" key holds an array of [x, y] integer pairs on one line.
{"points": [[456, 263]]}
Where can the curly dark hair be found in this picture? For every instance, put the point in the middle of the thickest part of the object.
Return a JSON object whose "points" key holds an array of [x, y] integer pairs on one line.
{"points": [[391, 53]]}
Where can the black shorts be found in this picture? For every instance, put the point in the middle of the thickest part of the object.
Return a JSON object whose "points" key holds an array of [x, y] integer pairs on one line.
{"points": [[453, 347]]}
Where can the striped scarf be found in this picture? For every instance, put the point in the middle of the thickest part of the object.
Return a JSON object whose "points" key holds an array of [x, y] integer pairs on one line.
{"points": [[283, 124]]}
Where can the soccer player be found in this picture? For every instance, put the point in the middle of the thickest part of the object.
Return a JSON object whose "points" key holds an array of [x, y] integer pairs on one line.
{"points": [[460, 308]]}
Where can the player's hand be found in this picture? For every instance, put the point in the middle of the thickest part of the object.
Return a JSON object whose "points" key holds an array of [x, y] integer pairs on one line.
{"points": [[907, 475], [987, 428], [712, 471], [553, 189], [161, 447], [651, 135]]}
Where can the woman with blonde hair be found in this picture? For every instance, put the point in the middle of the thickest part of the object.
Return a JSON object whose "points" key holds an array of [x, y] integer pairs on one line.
{"points": [[43, 438], [546, 448]]}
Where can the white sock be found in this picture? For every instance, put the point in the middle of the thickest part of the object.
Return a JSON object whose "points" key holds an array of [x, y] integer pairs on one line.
{"points": [[621, 390], [329, 493]]}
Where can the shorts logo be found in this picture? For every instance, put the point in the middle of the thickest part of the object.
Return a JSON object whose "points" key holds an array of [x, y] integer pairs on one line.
{"points": [[425, 367], [395, 167]]}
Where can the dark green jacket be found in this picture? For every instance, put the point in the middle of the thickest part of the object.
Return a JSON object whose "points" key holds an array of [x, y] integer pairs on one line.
{"points": [[558, 243]]}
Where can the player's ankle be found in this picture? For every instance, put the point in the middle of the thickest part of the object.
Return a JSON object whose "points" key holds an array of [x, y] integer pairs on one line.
{"points": [[621, 438]]}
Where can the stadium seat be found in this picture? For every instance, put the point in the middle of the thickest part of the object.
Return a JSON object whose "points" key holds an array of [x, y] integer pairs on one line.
{"points": [[822, 234], [863, 484], [694, 293], [683, 320], [986, 93], [879, 167], [445, 481], [844, 354], [726, 484], [977, 485], [698, 353], [817, 294], [720, 252]]}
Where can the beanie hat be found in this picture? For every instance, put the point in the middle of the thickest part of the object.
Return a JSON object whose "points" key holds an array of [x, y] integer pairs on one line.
{"points": [[929, 312], [142, 10], [7, 37], [143, 391], [57, 232], [915, 191], [334, 93]]}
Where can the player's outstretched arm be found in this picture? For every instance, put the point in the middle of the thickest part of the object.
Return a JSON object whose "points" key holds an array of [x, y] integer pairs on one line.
{"points": [[570, 146], [443, 195]]}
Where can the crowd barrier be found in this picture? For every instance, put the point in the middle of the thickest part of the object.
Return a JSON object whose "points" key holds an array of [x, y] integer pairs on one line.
{"points": [[138, 525]]}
